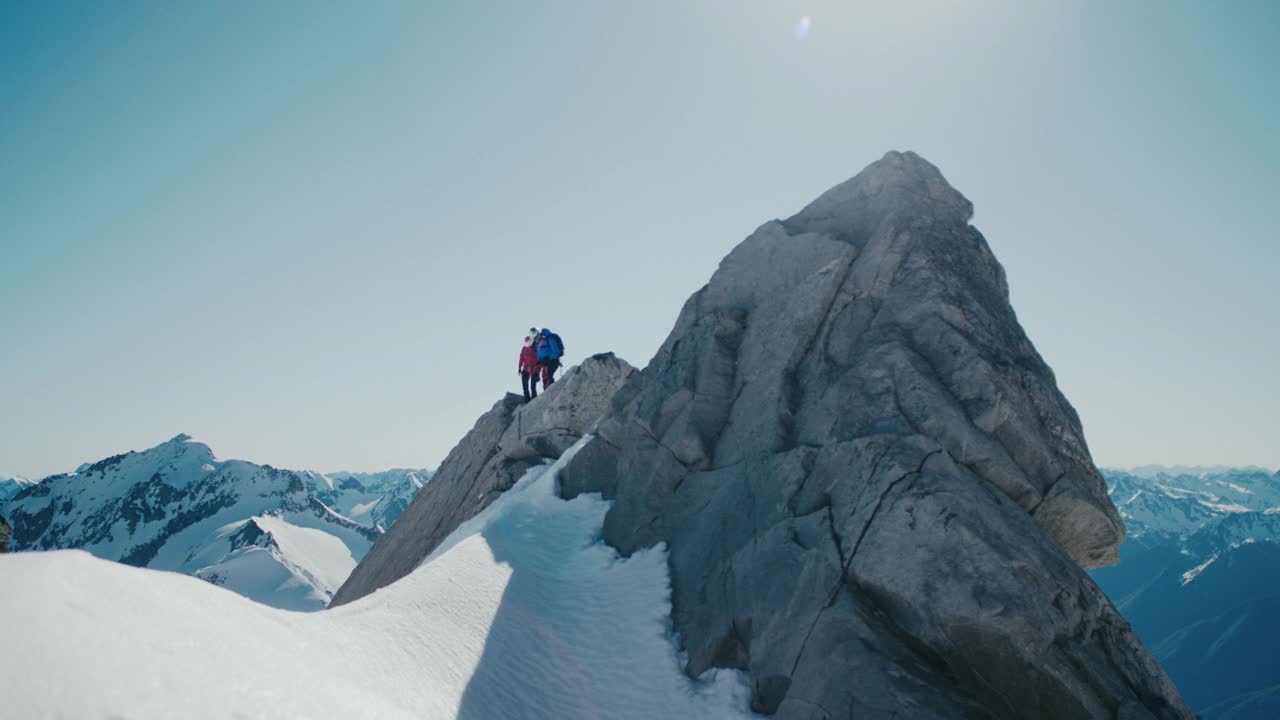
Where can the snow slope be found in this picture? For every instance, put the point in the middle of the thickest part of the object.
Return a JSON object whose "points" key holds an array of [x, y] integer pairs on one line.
{"points": [[396, 497], [177, 507], [373, 499], [1179, 505], [296, 568], [522, 613]]}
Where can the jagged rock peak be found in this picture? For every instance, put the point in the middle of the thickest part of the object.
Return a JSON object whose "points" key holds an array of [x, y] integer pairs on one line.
{"points": [[899, 181], [251, 533], [875, 498]]}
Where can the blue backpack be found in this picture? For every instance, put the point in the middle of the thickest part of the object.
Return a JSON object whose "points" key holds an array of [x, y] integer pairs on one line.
{"points": [[552, 349]]}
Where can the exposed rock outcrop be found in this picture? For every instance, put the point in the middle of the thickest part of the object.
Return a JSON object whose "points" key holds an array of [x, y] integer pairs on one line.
{"points": [[875, 498], [5, 533], [505, 442]]}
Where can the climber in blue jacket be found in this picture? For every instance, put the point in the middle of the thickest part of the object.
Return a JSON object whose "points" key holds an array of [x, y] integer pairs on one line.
{"points": [[550, 350]]}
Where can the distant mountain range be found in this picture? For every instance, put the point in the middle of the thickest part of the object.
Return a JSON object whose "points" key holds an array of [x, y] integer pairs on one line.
{"points": [[1199, 580], [375, 499], [1175, 471], [284, 538]]}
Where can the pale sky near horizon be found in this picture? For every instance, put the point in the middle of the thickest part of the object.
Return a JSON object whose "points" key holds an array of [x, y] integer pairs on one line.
{"points": [[313, 235]]}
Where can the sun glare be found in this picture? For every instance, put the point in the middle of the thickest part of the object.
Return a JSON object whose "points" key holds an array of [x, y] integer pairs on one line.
{"points": [[801, 29]]}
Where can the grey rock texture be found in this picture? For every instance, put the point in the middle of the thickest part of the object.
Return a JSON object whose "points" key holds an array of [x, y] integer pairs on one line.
{"points": [[505, 442], [566, 410], [875, 499], [5, 533]]}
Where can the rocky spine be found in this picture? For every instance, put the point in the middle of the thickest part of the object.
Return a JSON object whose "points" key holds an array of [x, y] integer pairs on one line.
{"points": [[875, 498]]}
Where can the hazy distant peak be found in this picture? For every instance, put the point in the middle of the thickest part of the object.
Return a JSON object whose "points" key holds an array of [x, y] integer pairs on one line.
{"points": [[1153, 471]]}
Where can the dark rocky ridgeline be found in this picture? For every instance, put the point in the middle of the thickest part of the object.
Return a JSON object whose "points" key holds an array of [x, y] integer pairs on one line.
{"points": [[875, 498], [5, 533], [505, 442]]}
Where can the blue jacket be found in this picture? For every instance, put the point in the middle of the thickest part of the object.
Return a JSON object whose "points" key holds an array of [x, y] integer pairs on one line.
{"points": [[550, 347]]}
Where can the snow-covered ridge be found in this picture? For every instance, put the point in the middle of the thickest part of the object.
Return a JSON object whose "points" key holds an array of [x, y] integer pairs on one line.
{"points": [[1194, 572], [523, 612], [1207, 513], [278, 536], [1157, 501], [11, 485], [374, 499]]}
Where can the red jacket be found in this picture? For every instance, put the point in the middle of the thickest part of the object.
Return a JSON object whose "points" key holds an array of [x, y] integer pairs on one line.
{"points": [[529, 360]]}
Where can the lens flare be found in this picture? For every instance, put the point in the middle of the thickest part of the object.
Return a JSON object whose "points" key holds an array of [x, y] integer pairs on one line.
{"points": [[801, 29]]}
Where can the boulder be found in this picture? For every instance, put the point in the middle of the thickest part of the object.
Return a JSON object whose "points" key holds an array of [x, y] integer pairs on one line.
{"points": [[875, 498], [552, 424], [504, 443]]}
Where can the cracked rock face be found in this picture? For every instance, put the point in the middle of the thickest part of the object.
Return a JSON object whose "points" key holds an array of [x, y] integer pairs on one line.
{"points": [[505, 442], [564, 412], [875, 498]]}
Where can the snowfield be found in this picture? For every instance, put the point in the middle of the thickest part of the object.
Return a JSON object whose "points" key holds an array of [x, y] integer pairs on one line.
{"points": [[522, 613], [279, 537], [299, 569]]}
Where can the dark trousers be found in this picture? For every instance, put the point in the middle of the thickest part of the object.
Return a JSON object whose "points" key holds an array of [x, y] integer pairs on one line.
{"points": [[529, 381], [549, 373]]}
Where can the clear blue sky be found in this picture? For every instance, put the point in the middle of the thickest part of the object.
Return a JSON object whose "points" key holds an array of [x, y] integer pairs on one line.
{"points": [[313, 234]]}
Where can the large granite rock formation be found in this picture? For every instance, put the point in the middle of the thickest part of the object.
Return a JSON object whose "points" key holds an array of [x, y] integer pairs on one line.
{"points": [[506, 441], [875, 498]]}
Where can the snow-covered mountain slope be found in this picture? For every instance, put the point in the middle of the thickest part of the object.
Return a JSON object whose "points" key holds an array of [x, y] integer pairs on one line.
{"points": [[1178, 505], [264, 532], [12, 485], [1199, 580], [521, 613], [374, 499], [1179, 524]]}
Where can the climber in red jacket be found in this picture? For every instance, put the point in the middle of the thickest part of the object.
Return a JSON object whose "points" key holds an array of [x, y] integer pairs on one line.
{"points": [[528, 368]]}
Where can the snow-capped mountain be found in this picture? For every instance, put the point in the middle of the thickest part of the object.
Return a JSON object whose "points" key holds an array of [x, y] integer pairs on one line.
{"points": [[266, 533], [374, 499], [1180, 504], [1199, 580], [12, 485], [1173, 471]]}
